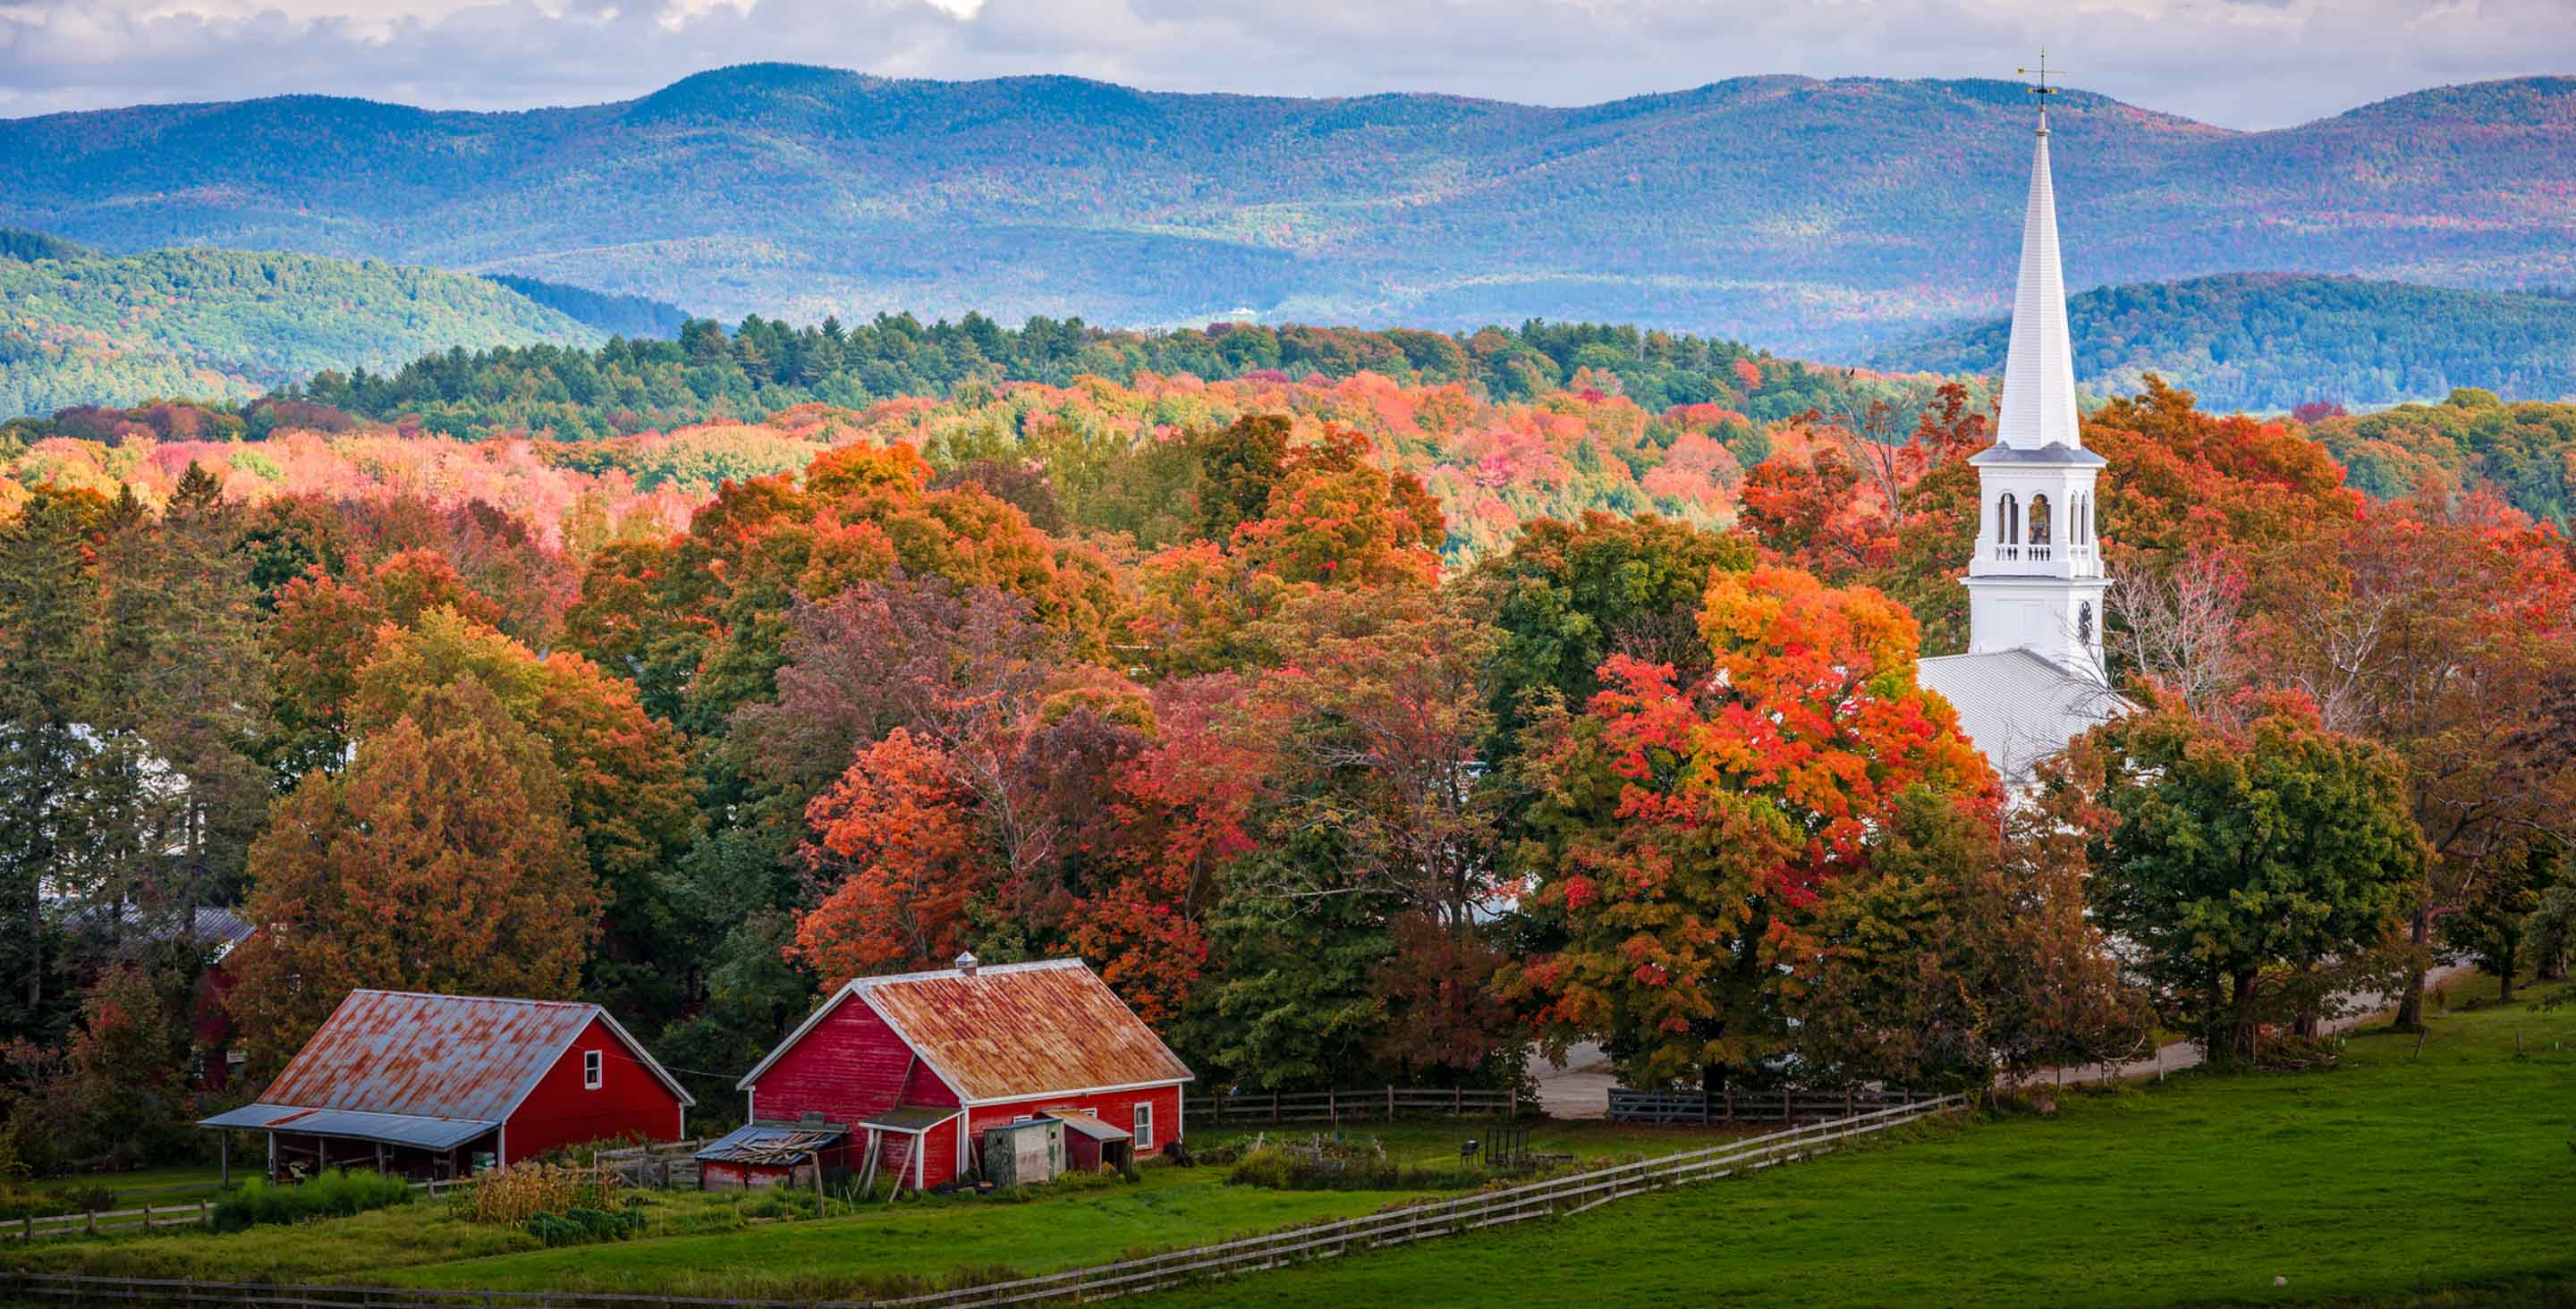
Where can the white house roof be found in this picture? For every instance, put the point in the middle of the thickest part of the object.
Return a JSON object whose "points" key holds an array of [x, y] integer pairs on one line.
{"points": [[2016, 706]]}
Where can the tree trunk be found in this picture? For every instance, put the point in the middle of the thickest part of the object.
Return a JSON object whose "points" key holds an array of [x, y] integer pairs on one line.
{"points": [[2410, 1010], [2506, 964], [2247, 1027]]}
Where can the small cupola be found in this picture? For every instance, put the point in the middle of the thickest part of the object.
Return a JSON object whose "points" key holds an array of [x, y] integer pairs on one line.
{"points": [[966, 963]]}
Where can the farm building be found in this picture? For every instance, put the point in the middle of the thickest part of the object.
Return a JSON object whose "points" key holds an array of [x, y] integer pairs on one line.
{"points": [[434, 1085], [910, 1070]]}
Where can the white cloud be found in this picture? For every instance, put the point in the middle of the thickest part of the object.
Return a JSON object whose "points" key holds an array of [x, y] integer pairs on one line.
{"points": [[2247, 63]]}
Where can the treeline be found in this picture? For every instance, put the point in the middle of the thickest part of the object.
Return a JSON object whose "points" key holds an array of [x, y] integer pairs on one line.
{"points": [[764, 366], [2526, 451], [1207, 711], [2273, 341]]}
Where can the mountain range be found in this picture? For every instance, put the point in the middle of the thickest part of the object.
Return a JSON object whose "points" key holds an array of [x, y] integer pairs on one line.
{"points": [[1823, 217]]}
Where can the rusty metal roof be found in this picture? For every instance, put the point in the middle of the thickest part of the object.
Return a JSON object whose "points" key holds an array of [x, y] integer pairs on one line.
{"points": [[438, 1056], [1012, 1031]]}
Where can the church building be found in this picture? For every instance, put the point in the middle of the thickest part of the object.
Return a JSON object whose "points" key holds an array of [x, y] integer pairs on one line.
{"points": [[2033, 678]]}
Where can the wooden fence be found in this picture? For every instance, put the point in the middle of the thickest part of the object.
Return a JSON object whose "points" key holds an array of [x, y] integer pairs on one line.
{"points": [[660, 1165], [1358, 1104], [1563, 1195], [1774, 1104], [149, 1216]]}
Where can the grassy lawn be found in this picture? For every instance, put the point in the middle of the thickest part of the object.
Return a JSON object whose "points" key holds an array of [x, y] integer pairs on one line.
{"points": [[2454, 1169], [715, 1244]]}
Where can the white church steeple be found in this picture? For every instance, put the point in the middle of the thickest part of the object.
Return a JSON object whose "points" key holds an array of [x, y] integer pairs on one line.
{"points": [[2036, 581], [2039, 369]]}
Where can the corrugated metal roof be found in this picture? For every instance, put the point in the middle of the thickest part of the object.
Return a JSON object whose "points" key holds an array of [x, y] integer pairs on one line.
{"points": [[436, 1056], [765, 1143], [2016, 706], [393, 1129], [1092, 1127], [1013, 1031]]}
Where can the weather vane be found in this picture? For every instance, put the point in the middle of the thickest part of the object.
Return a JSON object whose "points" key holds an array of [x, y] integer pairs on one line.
{"points": [[2042, 72]]}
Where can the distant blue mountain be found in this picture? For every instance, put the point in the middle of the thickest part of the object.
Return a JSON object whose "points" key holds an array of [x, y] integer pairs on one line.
{"points": [[1814, 216]]}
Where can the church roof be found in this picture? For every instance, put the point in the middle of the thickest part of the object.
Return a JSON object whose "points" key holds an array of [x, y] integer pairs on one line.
{"points": [[2038, 408], [2017, 706]]}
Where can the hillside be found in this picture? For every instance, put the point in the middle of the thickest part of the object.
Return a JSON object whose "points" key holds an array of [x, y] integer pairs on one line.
{"points": [[2274, 341], [230, 324], [1809, 215]]}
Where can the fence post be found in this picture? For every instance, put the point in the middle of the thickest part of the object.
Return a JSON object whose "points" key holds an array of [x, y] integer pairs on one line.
{"points": [[1332, 1106], [1274, 1104], [1458, 1102], [1730, 1102], [1390, 1093], [205, 1214]]}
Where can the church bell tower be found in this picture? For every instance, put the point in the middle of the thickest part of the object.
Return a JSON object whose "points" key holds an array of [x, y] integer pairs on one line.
{"points": [[2036, 581]]}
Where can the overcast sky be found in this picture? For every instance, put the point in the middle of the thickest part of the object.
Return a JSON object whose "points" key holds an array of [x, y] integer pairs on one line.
{"points": [[2241, 63]]}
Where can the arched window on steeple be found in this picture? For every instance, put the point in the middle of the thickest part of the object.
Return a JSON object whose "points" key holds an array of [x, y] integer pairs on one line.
{"points": [[2007, 521], [2039, 520]]}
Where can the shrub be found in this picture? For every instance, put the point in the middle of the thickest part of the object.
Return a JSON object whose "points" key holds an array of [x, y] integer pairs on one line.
{"points": [[331, 1195], [585, 1226], [515, 1195]]}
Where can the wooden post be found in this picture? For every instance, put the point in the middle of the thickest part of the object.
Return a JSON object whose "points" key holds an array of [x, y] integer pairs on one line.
{"points": [[147, 1218], [1274, 1104], [93, 1222], [1458, 1102], [1332, 1105], [1390, 1087], [1730, 1102], [224, 1150], [205, 1214]]}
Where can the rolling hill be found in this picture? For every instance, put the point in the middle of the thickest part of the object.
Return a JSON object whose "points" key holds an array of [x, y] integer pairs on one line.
{"points": [[1809, 215], [90, 329], [2274, 341]]}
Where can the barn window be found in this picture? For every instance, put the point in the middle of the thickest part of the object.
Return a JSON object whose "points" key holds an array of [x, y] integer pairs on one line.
{"points": [[592, 1073], [1144, 1126]]}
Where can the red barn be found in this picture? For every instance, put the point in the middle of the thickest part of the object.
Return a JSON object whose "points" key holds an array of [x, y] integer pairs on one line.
{"points": [[429, 1085], [915, 1067]]}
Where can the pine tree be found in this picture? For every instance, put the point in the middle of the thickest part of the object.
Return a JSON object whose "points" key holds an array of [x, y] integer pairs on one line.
{"points": [[49, 637]]}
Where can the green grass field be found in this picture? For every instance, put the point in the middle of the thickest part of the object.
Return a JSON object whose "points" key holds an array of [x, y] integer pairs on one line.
{"points": [[713, 1244], [2452, 1168], [2455, 1169]]}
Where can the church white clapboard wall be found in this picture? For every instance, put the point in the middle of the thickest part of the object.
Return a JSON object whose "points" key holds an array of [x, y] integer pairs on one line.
{"points": [[2034, 676]]}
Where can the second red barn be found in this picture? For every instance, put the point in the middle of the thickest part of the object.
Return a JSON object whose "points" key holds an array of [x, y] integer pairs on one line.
{"points": [[907, 1071]]}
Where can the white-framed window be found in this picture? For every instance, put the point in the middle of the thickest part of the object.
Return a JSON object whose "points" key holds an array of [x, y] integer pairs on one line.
{"points": [[593, 1069], [1144, 1126]]}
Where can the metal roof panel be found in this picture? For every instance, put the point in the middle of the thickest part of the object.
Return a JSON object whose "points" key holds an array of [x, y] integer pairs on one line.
{"points": [[1016, 1031], [392, 1129], [432, 1056]]}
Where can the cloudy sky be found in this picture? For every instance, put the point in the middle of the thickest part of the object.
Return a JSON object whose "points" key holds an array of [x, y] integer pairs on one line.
{"points": [[2242, 63]]}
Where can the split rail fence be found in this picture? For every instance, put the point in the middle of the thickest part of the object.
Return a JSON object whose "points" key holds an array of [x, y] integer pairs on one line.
{"points": [[1730, 1105], [1358, 1104], [191, 1214], [1571, 1194]]}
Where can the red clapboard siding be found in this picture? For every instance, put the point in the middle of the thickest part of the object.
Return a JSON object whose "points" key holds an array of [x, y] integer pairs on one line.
{"points": [[848, 1066], [560, 1111]]}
